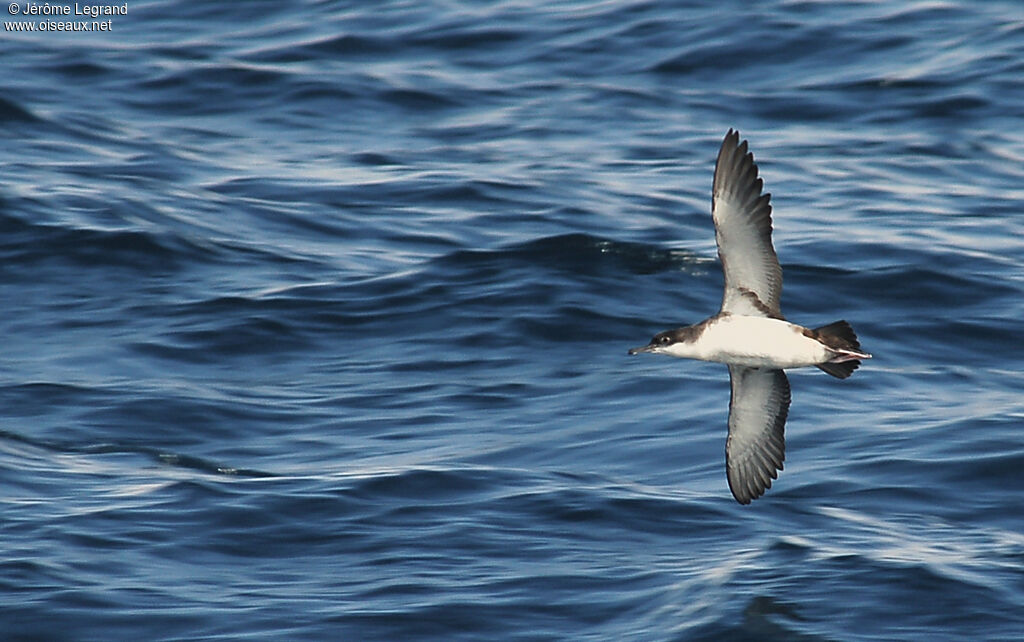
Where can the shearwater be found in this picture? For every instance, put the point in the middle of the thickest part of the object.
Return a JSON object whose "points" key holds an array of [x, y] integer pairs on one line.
{"points": [[749, 333]]}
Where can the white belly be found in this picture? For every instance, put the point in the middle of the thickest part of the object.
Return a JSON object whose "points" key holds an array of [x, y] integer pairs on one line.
{"points": [[757, 342]]}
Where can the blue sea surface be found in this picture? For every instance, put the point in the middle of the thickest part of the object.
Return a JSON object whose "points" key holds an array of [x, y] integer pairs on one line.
{"points": [[316, 318]]}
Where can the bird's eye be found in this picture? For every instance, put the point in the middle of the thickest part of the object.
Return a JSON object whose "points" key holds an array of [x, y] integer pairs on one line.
{"points": [[664, 339]]}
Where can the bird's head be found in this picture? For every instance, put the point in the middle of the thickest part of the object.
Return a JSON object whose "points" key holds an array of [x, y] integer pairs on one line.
{"points": [[670, 341]]}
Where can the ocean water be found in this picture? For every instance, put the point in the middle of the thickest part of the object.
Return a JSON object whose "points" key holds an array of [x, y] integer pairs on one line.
{"points": [[316, 318]]}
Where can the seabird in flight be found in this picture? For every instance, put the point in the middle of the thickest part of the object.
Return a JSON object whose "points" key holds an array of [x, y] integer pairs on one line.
{"points": [[749, 333]]}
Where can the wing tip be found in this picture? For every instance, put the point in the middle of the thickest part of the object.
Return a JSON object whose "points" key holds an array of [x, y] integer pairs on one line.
{"points": [[737, 175], [752, 485]]}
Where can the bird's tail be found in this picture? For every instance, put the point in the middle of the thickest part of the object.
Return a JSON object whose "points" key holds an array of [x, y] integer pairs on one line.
{"points": [[840, 339]]}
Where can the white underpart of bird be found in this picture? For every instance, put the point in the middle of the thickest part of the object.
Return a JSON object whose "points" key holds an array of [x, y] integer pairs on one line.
{"points": [[749, 332]]}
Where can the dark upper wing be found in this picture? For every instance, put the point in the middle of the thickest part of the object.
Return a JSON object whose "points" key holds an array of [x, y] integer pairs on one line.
{"points": [[757, 418], [743, 229]]}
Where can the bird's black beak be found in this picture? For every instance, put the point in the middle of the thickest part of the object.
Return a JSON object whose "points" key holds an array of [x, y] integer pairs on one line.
{"points": [[647, 348]]}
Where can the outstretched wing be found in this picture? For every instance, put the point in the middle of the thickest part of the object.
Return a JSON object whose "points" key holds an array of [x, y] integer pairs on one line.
{"points": [[756, 445], [743, 230]]}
